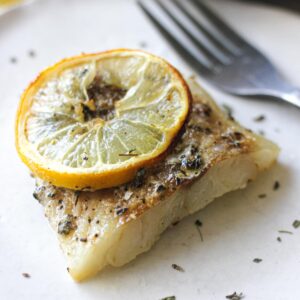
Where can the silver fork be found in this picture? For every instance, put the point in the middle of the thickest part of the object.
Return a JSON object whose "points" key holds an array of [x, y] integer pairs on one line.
{"points": [[216, 51]]}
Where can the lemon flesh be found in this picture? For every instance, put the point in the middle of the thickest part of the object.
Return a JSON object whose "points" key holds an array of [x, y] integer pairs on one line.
{"points": [[92, 121]]}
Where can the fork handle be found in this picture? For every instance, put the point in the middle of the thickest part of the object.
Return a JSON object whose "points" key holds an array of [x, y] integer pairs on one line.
{"points": [[292, 97], [288, 94]]}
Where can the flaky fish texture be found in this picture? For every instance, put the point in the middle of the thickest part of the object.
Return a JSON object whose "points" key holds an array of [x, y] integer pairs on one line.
{"points": [[213, 155]]}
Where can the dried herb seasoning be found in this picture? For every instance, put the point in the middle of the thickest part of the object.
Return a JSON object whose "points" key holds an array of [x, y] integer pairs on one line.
{"points": [[66, 225], [296, 224], [262, 195], [177, 268], [190, 161], [259, 118], [121, 211], [77, 194], [177, 180], [143, 44], [169, 298], [26, 275], [276, 185], [228, 109], [35, 196], [104, 97], [257, 260], [235, 296], [139, 179], [285, 231], [199, 224], [51, 195], [128, 154], [31, 53], [233, 139], [13, 60], [160, 188], [279, 239]]}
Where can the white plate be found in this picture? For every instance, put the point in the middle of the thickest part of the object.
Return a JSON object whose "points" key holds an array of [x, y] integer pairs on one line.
{"points": [[236, 229]]}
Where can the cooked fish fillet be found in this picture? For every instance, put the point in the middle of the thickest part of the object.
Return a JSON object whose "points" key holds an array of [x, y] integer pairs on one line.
{"points": [[213, 155]]}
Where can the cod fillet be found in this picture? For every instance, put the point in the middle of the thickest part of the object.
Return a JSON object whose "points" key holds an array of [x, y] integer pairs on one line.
{"points": [[213, 155]]}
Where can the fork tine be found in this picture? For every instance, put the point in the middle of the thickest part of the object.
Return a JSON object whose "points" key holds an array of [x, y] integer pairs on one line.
{"points": [[191, 56], [217, 43], [220, 25], [213, 58]]}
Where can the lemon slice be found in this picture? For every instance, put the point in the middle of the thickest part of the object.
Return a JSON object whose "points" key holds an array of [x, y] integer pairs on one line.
{"points": [[90, 122]]}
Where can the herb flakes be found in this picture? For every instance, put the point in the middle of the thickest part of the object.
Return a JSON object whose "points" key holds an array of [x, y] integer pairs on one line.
{"points": [[199, 224], [169, 298], [51, 195], [160, 188], [77, 194], [191, 162], [228, 109], [257, 260], [66, 225], [296, 224], [235, 296], [276, 185], [26, 275], [259, 118], [262, 195], [279, 239], [35, 196], [13, 60], [128, 154], [143, 44], [31, 53], [285, 231], [177, 268], [121, 211], [139, 178]]}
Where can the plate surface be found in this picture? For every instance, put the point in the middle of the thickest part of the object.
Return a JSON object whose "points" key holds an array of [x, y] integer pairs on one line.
{"points": [[236, 228]]}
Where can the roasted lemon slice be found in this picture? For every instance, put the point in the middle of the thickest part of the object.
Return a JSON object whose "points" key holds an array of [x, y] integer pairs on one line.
{"points": [[92, 121]]}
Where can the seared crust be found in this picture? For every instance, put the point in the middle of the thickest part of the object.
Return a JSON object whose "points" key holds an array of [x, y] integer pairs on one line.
{"points": [[209, 137]]}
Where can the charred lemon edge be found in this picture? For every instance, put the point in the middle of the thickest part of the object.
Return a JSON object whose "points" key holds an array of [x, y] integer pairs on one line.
{"points": [[66, 177]]}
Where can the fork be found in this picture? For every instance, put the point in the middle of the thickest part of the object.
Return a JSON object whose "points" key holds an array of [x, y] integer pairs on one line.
{"points": [[216, 51]]}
